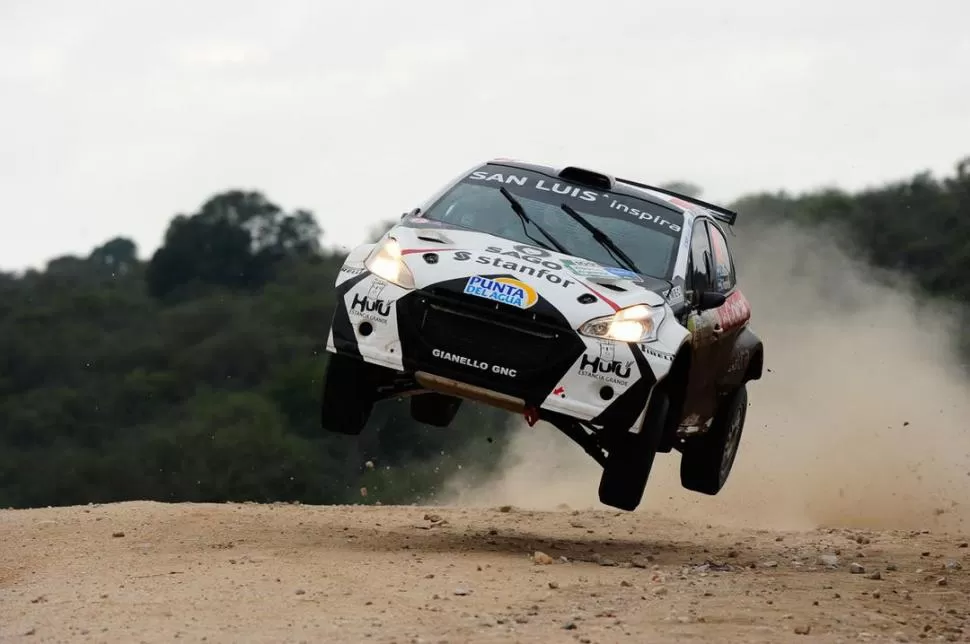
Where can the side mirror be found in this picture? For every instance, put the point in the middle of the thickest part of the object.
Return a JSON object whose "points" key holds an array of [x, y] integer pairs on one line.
{"points": [[710, 300], [414, 211]]}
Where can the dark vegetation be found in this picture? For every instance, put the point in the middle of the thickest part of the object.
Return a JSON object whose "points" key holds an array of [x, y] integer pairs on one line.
{"points": [[195, 375]]}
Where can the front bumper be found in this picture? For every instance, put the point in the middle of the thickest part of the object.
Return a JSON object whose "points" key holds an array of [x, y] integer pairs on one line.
{"points": [[537, 358]]}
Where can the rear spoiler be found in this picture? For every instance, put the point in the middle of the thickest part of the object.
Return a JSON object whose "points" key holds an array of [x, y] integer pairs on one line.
{"points": [[719, 213]]}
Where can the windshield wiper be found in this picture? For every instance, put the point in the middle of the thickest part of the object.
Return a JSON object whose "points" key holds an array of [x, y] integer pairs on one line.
{"points": [[602, 238], [520, 211]]}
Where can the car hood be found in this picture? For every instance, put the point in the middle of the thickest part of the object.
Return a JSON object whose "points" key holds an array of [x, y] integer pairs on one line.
{"points": [[457, 259]]}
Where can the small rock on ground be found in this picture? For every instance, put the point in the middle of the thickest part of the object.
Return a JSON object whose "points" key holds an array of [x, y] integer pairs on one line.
{"points": [[829, 560]]}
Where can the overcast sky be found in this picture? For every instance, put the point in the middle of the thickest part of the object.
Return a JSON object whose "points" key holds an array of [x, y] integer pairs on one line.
{"points": [[118, 114]]}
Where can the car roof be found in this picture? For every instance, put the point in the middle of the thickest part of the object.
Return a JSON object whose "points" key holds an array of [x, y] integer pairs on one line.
{"points": [[682, 204]]}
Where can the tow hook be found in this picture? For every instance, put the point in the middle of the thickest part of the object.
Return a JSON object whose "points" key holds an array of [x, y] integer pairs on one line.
{"points": [[531, 415]]}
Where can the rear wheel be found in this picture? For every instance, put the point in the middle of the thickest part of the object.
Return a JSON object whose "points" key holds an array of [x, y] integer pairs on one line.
{"points": [[708, 459], [630, 458], [348, 395], [434, 409]]}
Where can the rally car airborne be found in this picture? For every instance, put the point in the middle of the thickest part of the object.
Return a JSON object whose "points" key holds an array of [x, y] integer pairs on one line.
{"points": [[603, 306]]}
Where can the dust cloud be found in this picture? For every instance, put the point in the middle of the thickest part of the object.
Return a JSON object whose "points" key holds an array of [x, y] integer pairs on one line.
{"points": [[861, 421]]}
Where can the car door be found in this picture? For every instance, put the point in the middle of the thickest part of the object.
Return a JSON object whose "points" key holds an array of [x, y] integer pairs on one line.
{"points": [[704, 329]]}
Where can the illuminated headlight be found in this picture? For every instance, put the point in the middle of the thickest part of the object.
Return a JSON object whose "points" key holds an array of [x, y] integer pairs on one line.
{"points": [[635, 324], [386, 261]]}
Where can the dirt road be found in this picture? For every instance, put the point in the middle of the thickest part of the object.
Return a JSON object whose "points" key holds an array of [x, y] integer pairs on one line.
{"points": [[151, 572]]}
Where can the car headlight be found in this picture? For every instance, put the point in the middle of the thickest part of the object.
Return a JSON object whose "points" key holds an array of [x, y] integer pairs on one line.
{"points": [[386, 261], [634, 324]]}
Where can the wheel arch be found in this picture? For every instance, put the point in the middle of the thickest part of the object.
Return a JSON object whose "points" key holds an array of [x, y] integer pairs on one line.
{"points": [[755, 365], [744, 363], [676, 383]]}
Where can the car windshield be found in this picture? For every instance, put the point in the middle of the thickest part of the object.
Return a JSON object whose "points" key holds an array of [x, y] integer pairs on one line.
{"points": [[648, 233]]}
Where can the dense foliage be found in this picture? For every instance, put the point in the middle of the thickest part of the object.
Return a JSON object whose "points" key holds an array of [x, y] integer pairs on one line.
{"points": [[196, 375]]}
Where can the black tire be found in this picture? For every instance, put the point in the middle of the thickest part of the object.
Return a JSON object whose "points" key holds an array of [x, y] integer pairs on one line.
{"points": [[434, 409], [707, 459], [630, 458], [348, 395]]}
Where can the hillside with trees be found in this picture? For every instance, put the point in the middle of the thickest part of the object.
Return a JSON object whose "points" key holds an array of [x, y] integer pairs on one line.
{"points": [[195, 375]]}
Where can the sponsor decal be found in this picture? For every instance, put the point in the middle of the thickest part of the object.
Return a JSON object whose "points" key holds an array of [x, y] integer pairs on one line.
{"points": [[613, 371], [373, 309], [506, 290], [607, 350], [583, 267], [624, 273], [541, 267], [656, 353], [376, 288], [557, 189], [559, 391], [545, 184], [588, 269], [643, 215], [351, 270], [474, 364]]}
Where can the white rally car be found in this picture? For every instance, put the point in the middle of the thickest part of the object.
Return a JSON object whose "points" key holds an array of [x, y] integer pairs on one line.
{"points": [[603, 306]]}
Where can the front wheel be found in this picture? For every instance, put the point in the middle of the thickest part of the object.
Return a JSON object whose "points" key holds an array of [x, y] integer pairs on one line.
{"points": [[707, 459], [630, 457], [348, 395]]}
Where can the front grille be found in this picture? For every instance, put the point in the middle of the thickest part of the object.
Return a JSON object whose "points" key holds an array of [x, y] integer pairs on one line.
{"points": [[498, 333]]}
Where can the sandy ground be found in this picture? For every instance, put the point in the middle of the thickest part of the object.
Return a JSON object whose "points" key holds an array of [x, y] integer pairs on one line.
{"points": [[154, 572]]}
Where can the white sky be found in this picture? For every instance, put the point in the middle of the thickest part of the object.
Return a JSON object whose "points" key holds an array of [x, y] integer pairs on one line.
{"points": [[117, 114]]}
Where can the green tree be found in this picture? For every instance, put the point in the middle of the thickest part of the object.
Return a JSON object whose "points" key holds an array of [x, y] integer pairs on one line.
{"points": [[235, 240], [117, 256]]}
